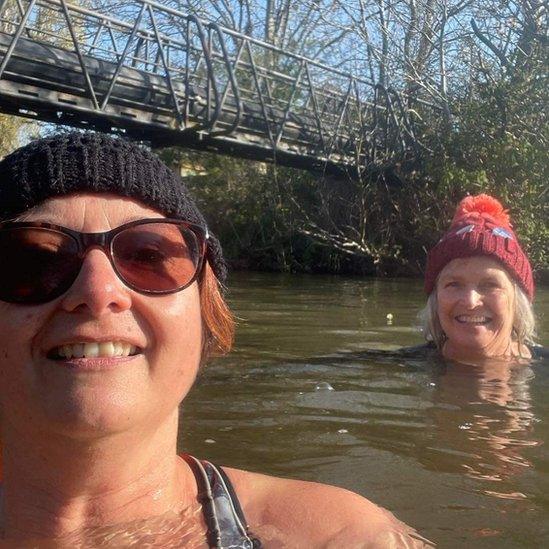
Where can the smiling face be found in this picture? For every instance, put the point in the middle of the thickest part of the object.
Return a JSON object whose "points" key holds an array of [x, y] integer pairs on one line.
{"points": [[476, 301], [141, 352]]}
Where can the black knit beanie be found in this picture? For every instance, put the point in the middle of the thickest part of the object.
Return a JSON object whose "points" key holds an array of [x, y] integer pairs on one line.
{"points": [[92, 162]]}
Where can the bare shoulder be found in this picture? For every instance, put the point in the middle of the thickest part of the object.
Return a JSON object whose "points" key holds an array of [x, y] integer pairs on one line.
{"points": [[306, 514]]}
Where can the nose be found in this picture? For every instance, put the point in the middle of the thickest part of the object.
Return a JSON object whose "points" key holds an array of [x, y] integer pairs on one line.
{"points": [[97, 287], [471, 297]]}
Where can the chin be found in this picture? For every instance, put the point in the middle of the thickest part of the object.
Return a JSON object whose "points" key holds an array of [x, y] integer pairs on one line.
{"points": [[79, 414], [91, 415]]}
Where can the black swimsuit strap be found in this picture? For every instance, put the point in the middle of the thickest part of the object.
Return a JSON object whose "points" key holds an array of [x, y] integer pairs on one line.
{"points": [[232, 494], [225, 520]]}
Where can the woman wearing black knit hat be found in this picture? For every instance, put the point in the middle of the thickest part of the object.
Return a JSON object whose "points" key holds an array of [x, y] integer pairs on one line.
{"points": [[109, 301]]}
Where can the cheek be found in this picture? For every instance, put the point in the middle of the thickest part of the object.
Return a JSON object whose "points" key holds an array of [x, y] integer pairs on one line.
{"points": [[444, 305], [18, 326], [184, 329], [178, 340], [17, 329], [504, 306]]}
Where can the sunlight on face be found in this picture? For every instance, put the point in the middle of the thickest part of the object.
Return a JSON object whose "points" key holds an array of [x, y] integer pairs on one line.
{"points": [[90, 398], [476, 301]]}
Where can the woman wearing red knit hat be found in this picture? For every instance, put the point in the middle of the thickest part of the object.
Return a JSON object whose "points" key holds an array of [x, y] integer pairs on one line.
{"points": [[480, 287]]}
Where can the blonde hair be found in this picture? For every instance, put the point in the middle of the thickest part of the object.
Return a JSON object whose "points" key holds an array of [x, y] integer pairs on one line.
{"points": [[524, 321]]}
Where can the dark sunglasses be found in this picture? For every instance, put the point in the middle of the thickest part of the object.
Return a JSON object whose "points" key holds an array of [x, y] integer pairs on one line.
{"points": [[40, 261]]}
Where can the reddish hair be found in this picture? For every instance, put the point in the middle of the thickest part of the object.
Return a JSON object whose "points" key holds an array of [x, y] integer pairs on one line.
{"points": [[217, 319]]}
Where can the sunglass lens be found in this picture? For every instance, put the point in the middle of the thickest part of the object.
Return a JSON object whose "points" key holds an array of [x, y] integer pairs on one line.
{"points": [[157, 257], [38, 264]]}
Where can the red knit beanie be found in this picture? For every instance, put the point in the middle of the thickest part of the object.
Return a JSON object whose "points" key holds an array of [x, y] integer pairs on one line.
{"points": [[480, 227]]}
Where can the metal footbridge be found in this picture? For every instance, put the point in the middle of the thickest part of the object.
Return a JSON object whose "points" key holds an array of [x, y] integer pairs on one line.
{"points": [[168, 78]]}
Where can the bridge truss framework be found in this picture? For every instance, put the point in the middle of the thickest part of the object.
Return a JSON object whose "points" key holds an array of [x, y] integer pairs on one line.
{"points": [[169, 78]]}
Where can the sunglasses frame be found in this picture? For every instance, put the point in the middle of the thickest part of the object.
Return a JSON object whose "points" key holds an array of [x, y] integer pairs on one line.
{"points": [[104, 241]]}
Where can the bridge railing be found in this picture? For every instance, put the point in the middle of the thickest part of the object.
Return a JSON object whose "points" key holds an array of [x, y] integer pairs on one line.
{"points": [[169, 77]]}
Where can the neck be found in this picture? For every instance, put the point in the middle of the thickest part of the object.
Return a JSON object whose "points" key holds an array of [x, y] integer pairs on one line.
{"points": [[508, 351], [58, 485]]}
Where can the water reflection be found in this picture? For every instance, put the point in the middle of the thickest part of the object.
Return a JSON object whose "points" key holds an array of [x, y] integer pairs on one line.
{"points": [[477, 420], [176, 529], [448, 448], [483, 416]]}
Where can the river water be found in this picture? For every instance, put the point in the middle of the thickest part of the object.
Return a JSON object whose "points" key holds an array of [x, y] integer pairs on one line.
{"points": [[460, 453]]}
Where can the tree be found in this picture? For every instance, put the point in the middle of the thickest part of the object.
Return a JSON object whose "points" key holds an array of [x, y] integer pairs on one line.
{"points": [[13, 131]]}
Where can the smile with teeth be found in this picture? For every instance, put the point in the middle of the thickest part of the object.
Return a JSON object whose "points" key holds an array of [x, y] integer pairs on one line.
{"points": [[473, 319], [94, 350]]}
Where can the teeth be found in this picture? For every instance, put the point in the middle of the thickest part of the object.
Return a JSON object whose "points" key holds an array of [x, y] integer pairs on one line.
{"points": [[106, 348], [96, 350], [76, 350], [472, 319], [91, 350]]}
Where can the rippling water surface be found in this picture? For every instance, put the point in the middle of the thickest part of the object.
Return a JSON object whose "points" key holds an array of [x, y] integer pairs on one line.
{"points": [[458, 452]]}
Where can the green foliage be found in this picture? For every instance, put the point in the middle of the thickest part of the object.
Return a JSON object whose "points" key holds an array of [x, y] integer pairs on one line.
{"points": [[500, 147]]}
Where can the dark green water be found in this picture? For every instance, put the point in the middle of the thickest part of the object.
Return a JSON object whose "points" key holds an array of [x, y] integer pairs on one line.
{"points": [[460, 453]]}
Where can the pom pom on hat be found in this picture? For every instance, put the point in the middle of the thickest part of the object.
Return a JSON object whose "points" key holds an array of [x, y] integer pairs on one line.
{"points": [[482, 205], [481, 227]]}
